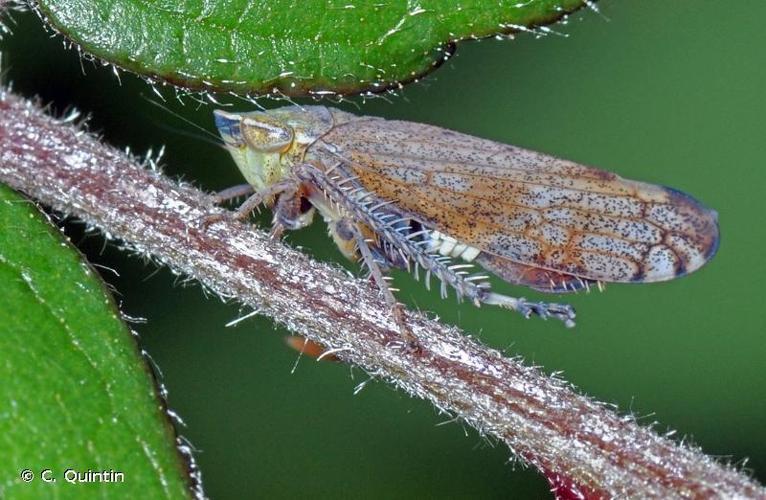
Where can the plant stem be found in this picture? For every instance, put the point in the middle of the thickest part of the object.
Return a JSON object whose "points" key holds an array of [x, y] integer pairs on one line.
{"points": [[584, 448]]}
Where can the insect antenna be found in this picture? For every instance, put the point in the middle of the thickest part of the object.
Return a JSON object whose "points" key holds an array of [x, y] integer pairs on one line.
{"points": [[208, 136]]}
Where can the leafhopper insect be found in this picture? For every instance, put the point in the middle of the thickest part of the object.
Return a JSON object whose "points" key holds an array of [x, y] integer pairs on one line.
{"points": [[433, 201]]}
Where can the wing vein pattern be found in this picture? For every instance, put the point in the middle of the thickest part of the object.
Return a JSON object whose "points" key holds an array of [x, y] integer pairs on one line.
{"points": [[526, 211]]}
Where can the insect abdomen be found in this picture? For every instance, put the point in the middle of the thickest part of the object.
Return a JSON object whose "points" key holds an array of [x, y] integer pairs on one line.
{"points": [[449, 246]]}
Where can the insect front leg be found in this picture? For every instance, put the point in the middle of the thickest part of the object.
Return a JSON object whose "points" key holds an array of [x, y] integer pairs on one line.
{"points": [[286, 186], [233, 192]]}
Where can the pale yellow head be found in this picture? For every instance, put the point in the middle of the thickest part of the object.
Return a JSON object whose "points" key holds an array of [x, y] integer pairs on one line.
{"points": [[266, 144]]}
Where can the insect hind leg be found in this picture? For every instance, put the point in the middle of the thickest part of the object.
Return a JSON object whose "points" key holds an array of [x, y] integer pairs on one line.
{"points": [[563, 312]]}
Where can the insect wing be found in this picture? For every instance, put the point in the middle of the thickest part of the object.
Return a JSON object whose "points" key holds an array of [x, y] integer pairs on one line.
{"points": [[542, 280], [532, 209]]}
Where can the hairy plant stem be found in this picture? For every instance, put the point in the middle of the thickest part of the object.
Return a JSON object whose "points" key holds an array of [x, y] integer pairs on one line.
{"points": [[584, 448]]}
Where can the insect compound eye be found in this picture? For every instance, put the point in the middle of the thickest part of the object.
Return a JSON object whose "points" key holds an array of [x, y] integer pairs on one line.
{"points": [[228, 125], [267, 134]]}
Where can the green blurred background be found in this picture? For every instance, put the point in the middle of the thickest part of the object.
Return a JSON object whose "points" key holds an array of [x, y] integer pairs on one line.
{"points": [[667, 92]]}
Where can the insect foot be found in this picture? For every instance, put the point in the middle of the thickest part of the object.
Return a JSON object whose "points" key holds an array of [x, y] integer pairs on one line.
{"points": [[222, 197], [545, 310], [409, 340], [208, 220]]}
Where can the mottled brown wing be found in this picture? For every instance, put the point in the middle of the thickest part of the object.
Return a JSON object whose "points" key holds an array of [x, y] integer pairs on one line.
{"points": [[527, 207], [537, 278]]}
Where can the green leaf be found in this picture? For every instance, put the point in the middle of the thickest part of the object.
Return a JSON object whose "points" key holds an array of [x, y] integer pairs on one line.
{"points": [[293, 47], [75, 391]]}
